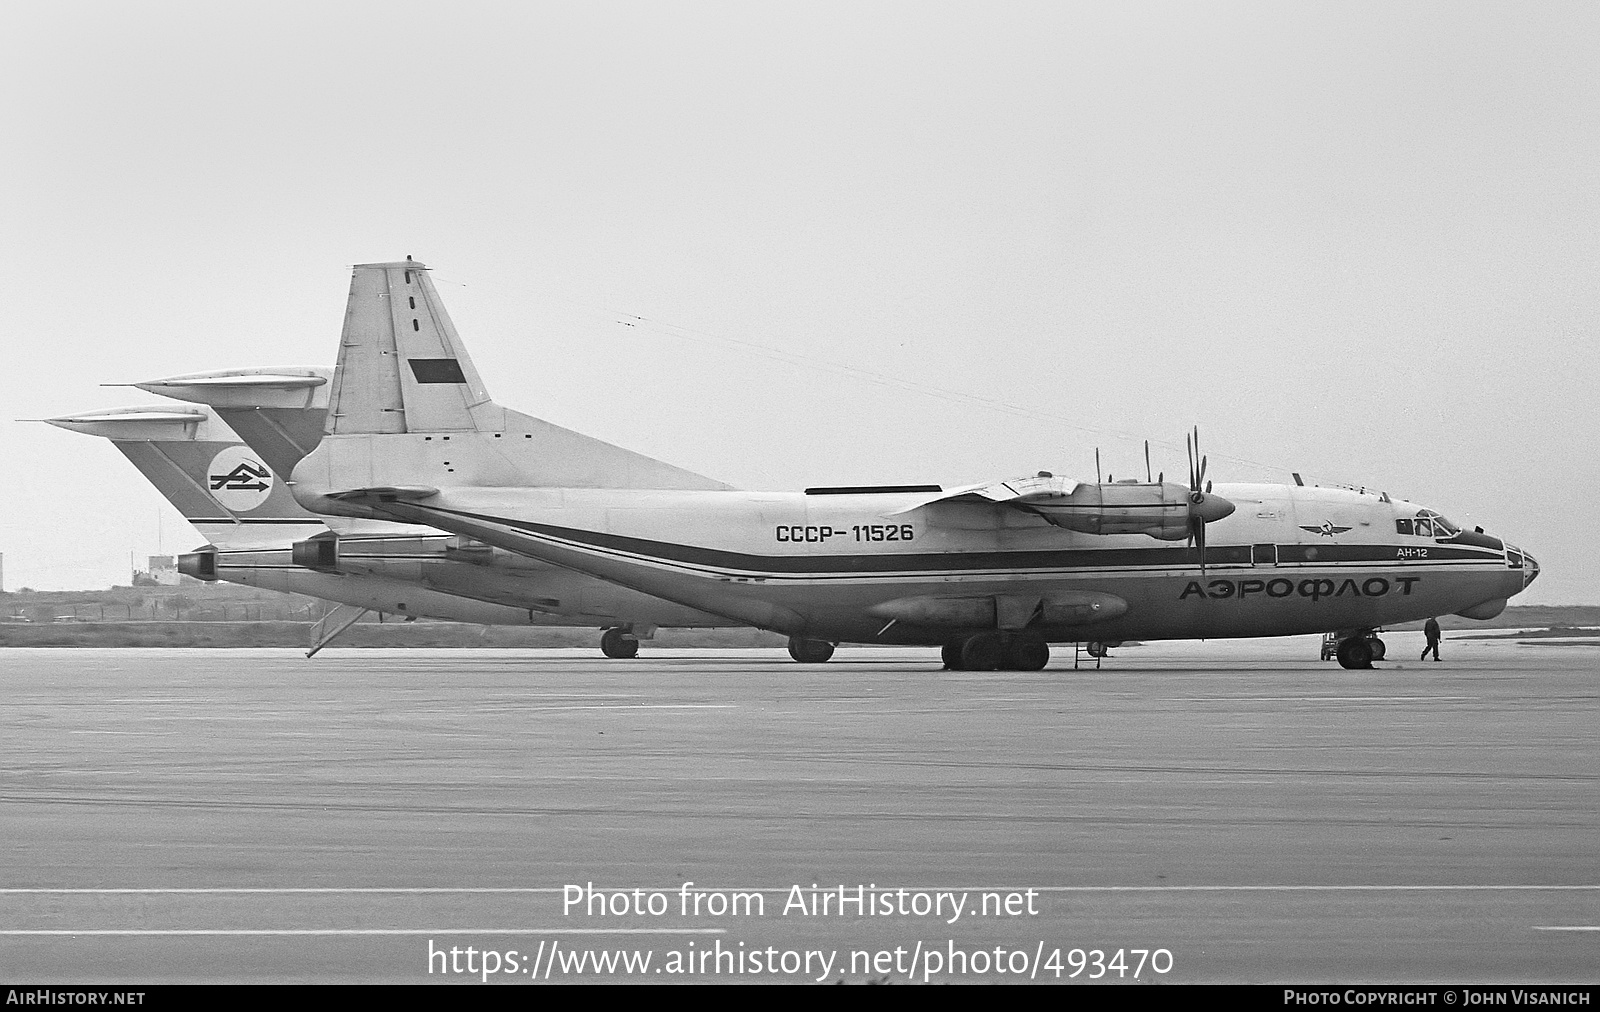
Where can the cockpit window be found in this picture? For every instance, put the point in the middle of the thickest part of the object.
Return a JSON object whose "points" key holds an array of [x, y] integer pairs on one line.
{"points": [[1426, 524]]}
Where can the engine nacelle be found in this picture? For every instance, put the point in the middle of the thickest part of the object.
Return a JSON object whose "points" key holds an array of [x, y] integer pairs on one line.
{"points": [[1163, 511], [320, 553], [200, 565]]}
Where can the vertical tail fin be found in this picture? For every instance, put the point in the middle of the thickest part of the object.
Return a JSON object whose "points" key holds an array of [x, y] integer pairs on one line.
{"points": [[217, 482], [407, 408], [402, 367]]}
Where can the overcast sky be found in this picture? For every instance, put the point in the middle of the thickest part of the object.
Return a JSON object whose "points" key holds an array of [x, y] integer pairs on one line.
{"points": [[857, 242]]}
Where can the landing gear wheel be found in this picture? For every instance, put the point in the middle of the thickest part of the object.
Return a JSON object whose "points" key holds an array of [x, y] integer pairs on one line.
{"points": [[981, 652], [1377, 647], [1355, 652], [1094, 648], [619, 644], [951, 654], [1026, 653], [809, 651]]}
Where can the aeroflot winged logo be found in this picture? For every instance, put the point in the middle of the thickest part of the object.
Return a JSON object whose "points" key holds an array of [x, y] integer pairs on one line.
{"points": [[238, 481], [1327, 529]]}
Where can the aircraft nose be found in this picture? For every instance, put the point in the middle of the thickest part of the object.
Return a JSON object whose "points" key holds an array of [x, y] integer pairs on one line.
{"points": [[1516, 558]]}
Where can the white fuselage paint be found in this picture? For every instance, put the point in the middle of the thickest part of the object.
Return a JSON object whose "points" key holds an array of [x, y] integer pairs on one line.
{"points": [[818, 565]]}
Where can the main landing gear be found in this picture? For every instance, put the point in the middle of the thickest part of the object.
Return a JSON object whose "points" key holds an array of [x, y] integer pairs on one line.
{"points": [[997, 651], [619, 643], [809, 651], [1360, 651]]}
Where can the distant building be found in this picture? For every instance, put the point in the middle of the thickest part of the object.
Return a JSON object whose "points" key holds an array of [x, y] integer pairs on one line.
{"points": [[162, 572]]}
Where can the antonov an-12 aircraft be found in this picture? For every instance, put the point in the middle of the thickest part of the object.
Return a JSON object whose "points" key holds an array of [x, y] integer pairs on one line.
{"points": [[281, 413], [259, 536], [992, 573]]}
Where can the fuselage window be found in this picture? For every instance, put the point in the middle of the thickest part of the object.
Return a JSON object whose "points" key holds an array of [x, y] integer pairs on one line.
{"points": [[1403, 525]]}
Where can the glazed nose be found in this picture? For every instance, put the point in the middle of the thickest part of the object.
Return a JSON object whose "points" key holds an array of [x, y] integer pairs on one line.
{"points": [[1530, 569]]}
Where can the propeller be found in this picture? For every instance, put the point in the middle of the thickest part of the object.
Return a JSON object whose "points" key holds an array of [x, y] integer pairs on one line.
{"points": [[1203, 506]]}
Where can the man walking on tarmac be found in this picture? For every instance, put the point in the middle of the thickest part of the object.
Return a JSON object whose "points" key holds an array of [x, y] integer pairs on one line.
{"points": [[1430, 629]]}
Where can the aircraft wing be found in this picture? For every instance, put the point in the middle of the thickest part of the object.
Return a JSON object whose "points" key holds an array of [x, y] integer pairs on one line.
{"points": [[1166, 511], [1017, 492]]}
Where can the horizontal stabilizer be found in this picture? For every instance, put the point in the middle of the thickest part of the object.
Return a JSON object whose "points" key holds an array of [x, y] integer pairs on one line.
{"points": [[219, 484], [145, 423], [280, 411], [273, 387]]}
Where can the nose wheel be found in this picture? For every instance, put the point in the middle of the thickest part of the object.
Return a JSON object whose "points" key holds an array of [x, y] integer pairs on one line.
{"points": [[1356, 652]]}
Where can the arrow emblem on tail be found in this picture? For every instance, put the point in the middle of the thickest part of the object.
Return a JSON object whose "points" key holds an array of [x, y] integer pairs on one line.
{"points": [[242, 478]]}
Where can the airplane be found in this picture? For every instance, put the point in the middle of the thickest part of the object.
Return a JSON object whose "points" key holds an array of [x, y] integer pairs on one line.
{"points": [[259, 536], [990, 573], [281, 413]]}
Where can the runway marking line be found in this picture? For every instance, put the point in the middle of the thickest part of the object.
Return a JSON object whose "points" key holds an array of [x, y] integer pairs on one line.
{"points": [[1566, 927], [512, 890], [1324, 699], [127, 932], [629, 706]]}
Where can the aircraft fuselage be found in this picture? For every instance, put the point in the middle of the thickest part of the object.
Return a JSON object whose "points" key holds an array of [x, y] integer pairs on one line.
{"points": [[881, 568]]}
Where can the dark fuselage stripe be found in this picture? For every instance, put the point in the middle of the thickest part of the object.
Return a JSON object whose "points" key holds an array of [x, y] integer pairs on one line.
{"points": [[969, 562], [255, 520]]}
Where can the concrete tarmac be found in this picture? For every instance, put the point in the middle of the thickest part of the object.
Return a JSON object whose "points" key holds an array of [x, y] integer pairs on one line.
{"points": [[1238, 811]]}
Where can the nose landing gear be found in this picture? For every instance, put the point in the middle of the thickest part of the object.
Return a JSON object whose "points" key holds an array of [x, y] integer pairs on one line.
{"points": [[1360, 650]]}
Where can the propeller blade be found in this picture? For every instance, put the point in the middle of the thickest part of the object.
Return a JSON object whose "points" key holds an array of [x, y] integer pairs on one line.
{"points": [[1097, 466], [1203, 508], [1147, 461]]}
